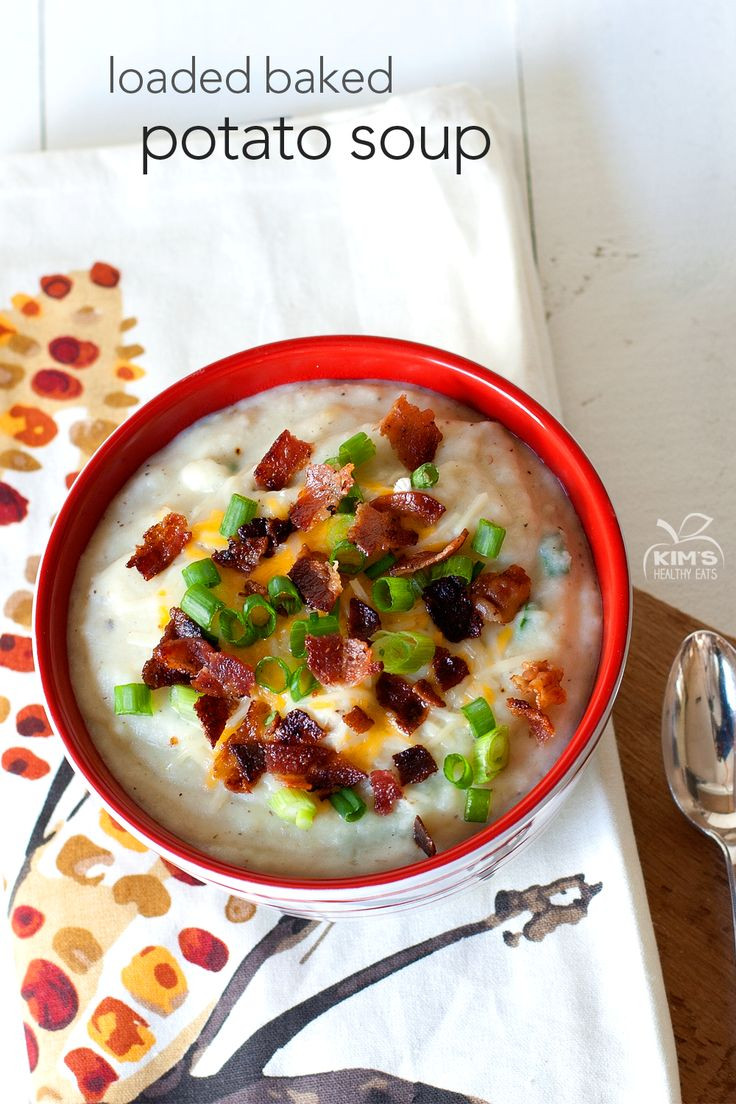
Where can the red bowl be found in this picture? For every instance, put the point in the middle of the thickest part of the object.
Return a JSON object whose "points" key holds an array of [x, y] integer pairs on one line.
{"points": [[333, 358]]}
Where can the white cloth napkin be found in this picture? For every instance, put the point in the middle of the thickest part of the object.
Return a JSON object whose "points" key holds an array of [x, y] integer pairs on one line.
{"points": [[217, 256]]}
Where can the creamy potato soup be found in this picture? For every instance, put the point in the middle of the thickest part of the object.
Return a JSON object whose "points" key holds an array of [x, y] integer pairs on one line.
{"points": [[335, 628]]}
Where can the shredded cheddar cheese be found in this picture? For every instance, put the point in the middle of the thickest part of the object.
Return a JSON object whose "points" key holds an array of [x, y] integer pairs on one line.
{"points": [[206, 534]]}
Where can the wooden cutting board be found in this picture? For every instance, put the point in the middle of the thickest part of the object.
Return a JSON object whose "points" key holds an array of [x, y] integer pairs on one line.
{"points": [[684, 872]]}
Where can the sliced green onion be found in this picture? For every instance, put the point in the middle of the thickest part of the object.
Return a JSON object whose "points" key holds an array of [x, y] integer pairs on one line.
{"points": [[491, 754], [322, 626], [348, 805], [380, 567], [294, 806], [183, 699], [133, 697], [349, 503], [458, 771], [201, 605], [460, 566], [488, 539], [477, 805], [356, 450], [239, 511], [480, 717], [420, 579], [403, 652], [524, 619], [297, 638], [259, 615], [478, 567], [338, 530], [234, 630], [348, 557], [555, 558], [203, 572], [301, 682], [311, 626], [284, 596], [332, 462], [426, 475], [393, 594], [273, 673]]}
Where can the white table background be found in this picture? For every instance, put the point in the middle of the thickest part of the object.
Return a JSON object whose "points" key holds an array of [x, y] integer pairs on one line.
{"points": [[625, 114]]}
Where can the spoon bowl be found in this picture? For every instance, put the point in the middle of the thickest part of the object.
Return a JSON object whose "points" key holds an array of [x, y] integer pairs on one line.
{"points": [[698, 735]]}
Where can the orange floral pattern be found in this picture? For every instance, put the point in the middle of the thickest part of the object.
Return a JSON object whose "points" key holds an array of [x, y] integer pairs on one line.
{"points": [[76, 907], [60, 349], [119, 1030]]}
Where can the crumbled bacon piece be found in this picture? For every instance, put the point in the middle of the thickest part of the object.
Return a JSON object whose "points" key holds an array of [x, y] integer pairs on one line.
{"points": [[291, 761], [544, 682], [410, 503], [181, 625], [175, 660], [358, 720], [241, 759], [256, 540], [161, 544], [253, 727], [224, 676], [187, 653], [413, 433], [363, 621], [239, 767], [335, 772], [241, 555], [450, 608], [316, 579], [289, 747], [286, 456], [250, 586], [375, 531], [499, 595], [414, 764], [449, 670], [407, 565], [213, 713], [251, 762], [297, 727], [275, 530], [190, 659], [157, 671], [322, 491], [428, 694], [400, 698], [386, 791], [422, 838], [311, 766], [540, 726], [339, 660]]}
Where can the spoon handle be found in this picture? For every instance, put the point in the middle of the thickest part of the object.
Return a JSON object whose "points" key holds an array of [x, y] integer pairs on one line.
{"points": [[729, 851]]}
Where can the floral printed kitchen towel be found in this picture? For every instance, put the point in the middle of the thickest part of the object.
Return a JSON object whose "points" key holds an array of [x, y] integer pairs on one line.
{"points": [[136, 982]]}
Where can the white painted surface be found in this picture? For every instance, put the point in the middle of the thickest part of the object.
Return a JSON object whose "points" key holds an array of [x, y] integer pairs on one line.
{"points": [[429, 40], [633, 161], [20, 77], [632, 150]]}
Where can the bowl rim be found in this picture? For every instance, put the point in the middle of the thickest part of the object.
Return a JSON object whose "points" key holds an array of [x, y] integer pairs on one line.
{"points": [[616, 621]]}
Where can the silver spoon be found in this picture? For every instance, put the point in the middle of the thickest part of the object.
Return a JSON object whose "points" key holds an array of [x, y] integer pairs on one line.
{"points": [[698, 734]]}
